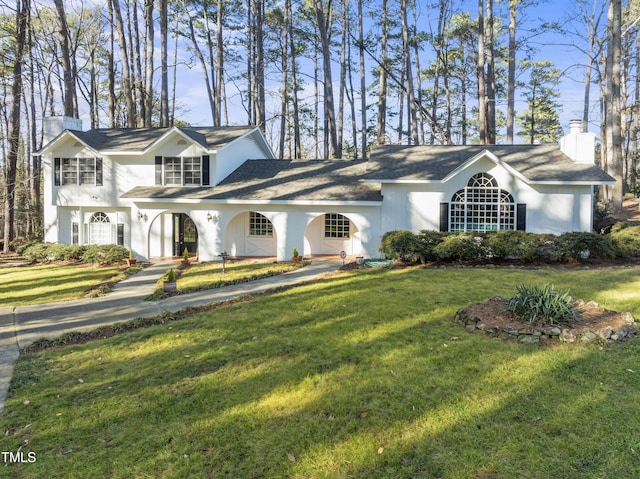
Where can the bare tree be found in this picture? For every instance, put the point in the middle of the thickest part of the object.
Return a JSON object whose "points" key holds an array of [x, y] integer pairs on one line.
{"points": [[70, 98], [613, 131], [331, 142], [21, 16]]}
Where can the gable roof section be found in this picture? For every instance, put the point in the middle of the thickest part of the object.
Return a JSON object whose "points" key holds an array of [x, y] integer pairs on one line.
{"points": [[536, 164], [263, 181], [140, 140]]}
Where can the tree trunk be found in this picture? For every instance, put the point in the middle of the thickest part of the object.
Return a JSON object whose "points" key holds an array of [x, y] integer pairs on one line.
{"points": [[331, 146], [482, 100], [511, 81], [164, 67], [126, 74], [111, 69], [203, 64], [259, 102], [219, 61], [148, 89], [65, 57], [22, 11], [613, 121], [297, 144], [382, 88], [491, 78], [406, 46], [363, 85]]}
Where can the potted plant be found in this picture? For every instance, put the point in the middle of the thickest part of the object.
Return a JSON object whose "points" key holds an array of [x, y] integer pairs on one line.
{"points": [[296, 257], [169, 284], [131, 260], [185, 257]]}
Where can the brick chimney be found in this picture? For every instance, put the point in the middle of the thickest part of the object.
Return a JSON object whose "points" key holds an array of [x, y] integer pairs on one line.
{"points": [[578, 145]]}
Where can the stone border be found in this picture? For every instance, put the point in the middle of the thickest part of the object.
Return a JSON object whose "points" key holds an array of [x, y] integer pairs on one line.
{"points": [[531, 334]]}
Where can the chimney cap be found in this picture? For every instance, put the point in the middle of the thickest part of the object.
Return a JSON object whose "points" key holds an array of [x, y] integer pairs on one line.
{"points": [[575, 126]]}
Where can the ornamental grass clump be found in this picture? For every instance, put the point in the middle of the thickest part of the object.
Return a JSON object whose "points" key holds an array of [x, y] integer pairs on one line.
{"points": [[544, 305]]}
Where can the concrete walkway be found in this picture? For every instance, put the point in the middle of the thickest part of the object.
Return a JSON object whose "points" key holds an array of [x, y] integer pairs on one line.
{"points": [[23, 325]]}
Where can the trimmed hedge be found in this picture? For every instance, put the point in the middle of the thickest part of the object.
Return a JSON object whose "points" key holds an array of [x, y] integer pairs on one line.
{"points": [[403, 245], [97, 254], [625, 237]]}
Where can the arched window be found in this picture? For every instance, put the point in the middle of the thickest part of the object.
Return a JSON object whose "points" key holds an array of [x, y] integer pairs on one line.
{"points": [[100, 229], [482, 206]]}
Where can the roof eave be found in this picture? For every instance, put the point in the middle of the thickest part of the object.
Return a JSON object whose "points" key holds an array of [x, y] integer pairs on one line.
{"points": [[485, 154]]}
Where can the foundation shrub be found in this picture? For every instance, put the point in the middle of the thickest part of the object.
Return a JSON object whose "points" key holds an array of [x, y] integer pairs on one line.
{"points": [[105, 254], [463, 247], [399, 245], [426, 241], [512, 244], [572, 246], [625, 237], [45, 252]]}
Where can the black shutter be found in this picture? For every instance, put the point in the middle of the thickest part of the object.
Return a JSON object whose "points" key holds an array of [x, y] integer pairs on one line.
{"points": [[444, 216], [98, 171], [120, 234], [521, 217], [205, 170], [158, 170], [56, 172]]}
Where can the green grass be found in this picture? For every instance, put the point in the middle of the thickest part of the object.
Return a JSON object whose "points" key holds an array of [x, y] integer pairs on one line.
{"points": [[24, 285], [208, 275], [357, 376]]}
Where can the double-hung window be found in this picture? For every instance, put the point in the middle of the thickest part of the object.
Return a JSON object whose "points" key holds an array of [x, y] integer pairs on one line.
{"points": [[182, 170], [173, 171], [78, 171], [191, 170]]}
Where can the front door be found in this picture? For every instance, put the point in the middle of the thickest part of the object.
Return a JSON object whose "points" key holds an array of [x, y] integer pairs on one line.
{"points": [[185, 235]]}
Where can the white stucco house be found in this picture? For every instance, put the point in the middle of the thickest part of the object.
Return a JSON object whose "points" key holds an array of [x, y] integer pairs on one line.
{"points": [[210, 190]]}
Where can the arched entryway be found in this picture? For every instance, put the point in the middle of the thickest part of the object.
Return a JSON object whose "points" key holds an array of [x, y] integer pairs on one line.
{"points": [[170, 233], [250, 233], [330, 233]]}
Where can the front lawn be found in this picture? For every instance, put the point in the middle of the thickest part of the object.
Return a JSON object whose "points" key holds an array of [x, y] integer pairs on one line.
{"points": [[208, 275], [24, 285], [363, 375]]}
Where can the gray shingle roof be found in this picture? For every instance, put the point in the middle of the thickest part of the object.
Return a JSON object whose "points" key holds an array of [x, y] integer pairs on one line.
{"points": [[285, 180], [139, 139], [537, 163]]}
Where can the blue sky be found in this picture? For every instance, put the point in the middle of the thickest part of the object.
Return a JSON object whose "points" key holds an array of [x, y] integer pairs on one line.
{"points": [[193, 98]]}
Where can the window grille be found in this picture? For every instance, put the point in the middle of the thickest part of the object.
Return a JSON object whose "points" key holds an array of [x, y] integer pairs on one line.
{"points": [[336, 226], [259, 225], [482, 206]]}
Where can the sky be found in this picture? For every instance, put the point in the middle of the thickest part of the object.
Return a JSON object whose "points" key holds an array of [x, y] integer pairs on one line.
{"points": [[552, 46]]}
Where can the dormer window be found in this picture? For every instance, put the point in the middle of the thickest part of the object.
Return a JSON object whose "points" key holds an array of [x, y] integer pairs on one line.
{"points": [[77, 171], [182, 170]]}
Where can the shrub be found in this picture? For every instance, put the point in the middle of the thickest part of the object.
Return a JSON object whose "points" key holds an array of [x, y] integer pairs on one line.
{"points": [[573, 246], [171, 276], [38, 252], [543, 305], [426, 241], [104, 254], [625, 238], [512, 244], [462, 247], [399, 245]]}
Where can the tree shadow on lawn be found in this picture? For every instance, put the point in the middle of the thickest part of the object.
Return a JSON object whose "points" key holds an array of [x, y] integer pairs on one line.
{"points": [[329, 373]]}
